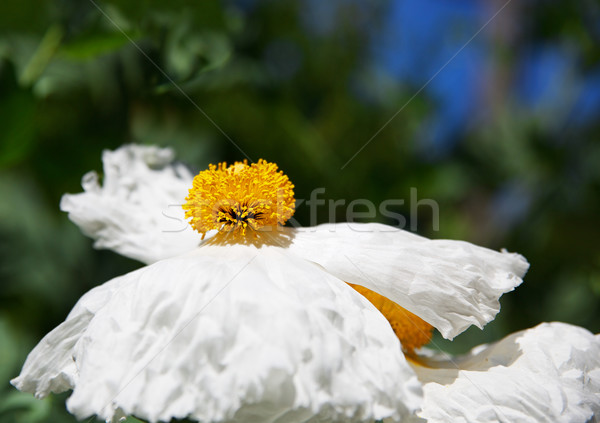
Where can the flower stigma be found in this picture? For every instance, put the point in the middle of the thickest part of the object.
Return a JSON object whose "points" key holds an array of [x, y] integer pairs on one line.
{"points": [[239, 197]]}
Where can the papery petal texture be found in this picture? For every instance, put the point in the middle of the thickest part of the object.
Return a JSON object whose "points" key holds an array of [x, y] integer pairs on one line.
{"points": [[229, 334], [449, 284], [137, 210], [51, 367], [547, 374]]}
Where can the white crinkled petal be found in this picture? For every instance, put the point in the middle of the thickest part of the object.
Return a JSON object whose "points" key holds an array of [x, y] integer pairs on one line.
{"points": [[137, 211], [232, 334], [449, 284], [547, 374], [50, 367]]}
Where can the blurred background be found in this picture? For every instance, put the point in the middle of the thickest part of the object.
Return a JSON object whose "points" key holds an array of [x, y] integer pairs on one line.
{"points": [[495, 111]]}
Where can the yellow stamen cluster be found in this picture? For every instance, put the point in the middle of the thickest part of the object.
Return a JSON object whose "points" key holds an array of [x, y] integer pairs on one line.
{"points": [[240, 196], [412, 331]]}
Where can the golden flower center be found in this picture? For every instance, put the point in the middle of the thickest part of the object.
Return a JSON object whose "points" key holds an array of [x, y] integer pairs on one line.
{"points": [[412, 331], [239, 197]]}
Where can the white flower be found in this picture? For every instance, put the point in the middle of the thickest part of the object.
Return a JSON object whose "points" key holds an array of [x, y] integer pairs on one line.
{"points": [[243, 327], [134, 211], [550, 373]]}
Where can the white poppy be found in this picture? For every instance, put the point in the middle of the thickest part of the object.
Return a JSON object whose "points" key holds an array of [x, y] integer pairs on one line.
{"points": [[547, 374], [259, 323]]}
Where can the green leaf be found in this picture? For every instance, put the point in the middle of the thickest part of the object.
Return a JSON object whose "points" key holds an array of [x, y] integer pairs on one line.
{"points": [[23, 408], [94, 45], [17, 137]]}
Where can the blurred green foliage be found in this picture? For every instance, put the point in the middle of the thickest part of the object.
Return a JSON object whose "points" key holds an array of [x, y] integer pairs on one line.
{"points": [[218, 80]]}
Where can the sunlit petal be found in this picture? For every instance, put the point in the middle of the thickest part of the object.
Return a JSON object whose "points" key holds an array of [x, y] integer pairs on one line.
{"points": [[230, 333], [449, 284], [550, 373], [137, 209]]}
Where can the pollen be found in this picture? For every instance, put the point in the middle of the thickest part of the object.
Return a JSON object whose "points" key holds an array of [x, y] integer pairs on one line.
{"points": [[412, 331], [239, 198]]}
